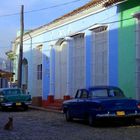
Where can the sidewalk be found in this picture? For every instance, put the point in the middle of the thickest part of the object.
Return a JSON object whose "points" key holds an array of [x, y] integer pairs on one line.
{"points": [[45, 109]]}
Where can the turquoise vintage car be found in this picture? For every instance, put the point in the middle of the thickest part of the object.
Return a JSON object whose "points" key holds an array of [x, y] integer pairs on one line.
{"points": [[14, 98]]}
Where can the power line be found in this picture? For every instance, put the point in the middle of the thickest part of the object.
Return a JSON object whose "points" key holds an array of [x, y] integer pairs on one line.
{"points": [[4, 47], [116, 21], [38, 10], [102, 23], [53, 6]]}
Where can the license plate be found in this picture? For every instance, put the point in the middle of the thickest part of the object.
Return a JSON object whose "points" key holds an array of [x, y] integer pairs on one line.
{"points": [[18, 104], [120, 113]]}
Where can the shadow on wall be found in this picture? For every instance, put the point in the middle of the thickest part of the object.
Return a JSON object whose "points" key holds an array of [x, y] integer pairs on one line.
{"points": [[32, 73]]}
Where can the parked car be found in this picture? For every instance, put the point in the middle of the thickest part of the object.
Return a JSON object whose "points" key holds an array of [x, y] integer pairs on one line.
{"points": [[14, 98], [101, 102]]}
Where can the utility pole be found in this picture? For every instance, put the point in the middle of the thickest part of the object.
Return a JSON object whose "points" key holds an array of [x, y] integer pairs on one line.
{"points": [[21, 47]]}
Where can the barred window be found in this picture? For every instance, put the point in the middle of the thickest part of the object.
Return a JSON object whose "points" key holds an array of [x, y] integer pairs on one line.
{"points": [[99, 58], [39, 72], [78, 62]]}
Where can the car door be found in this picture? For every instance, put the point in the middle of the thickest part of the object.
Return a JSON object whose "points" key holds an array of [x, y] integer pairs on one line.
{"points": [[79, 107]]}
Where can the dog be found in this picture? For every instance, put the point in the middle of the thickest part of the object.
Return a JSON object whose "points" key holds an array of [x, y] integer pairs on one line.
{"points": [[9, 124]]}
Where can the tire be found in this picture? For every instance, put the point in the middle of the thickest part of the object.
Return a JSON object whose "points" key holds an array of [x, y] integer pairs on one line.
{"points": [[68, 116], [91, 120], [25, 107], [131, 121], [3, 108]]}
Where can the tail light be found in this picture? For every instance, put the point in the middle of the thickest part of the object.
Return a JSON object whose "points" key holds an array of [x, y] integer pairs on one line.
{"points": [[138, 105]]}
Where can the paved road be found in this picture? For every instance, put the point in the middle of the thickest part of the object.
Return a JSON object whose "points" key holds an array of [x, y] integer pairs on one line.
{"points": [[42, 125]]}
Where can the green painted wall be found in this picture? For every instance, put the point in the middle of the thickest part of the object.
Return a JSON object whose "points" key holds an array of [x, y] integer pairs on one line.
{"points": [[127, 41]]}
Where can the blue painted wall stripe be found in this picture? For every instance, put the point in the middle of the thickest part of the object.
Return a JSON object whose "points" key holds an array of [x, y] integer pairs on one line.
{"points": [[113, 53], [88, 46]]}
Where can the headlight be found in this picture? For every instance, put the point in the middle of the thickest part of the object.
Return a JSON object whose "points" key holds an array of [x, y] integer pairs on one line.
{"points": [[1, 98]]}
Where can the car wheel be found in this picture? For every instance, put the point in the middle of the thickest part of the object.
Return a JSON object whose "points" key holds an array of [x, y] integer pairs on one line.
{"points": [[68, 116], [25, 107], [131, 121], [3, 108], [91, 120]]}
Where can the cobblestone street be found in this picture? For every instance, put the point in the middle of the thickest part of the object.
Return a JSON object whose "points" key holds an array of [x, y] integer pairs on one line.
{"points": [[43, 125]]}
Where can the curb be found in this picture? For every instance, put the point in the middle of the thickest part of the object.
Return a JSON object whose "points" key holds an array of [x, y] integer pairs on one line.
{"points": [[45, 109]]}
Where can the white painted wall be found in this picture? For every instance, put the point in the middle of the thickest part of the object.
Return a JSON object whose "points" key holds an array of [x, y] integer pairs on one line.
{"points": [[60, 70], [78, 63]]}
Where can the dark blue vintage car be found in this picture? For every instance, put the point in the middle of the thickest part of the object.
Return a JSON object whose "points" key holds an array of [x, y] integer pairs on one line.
{"points": [[101, 102]]}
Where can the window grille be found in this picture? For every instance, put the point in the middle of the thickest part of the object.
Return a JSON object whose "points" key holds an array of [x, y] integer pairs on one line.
{"points": [[78, 63], [39, 72], [99, 62]]}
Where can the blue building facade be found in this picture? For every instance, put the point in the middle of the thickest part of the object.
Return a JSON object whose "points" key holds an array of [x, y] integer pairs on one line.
{"points": [[75, 41], [78, 50]]}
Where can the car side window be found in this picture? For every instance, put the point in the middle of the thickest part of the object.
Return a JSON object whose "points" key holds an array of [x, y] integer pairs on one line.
{"points": [[111, 93], [84, 94], [78, 94]]}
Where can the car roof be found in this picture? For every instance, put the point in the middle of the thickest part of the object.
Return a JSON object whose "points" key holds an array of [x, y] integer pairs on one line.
{"points": [[103, 87]]}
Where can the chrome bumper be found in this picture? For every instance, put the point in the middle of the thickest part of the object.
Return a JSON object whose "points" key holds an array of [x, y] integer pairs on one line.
{"points": [[6, 104], [11, 104], [27, 103], [114, 115]]}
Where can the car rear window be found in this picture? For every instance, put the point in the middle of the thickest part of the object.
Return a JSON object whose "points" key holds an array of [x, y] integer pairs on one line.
{"points": [[113, 92], [98, 93]]}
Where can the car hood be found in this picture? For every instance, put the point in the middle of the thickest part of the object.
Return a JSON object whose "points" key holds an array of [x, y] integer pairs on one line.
{"points": [[17, 98]]}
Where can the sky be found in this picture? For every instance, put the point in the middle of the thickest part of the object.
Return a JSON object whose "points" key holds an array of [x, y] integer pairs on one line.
{"points": [[10, 16]]}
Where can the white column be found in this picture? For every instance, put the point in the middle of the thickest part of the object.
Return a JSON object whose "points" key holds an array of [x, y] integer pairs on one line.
{"points": [[69, 64], [52, 71]]}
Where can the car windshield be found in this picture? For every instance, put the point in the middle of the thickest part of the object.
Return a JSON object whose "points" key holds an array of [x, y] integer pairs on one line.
{"points": [[105, 93], [11, 91]]}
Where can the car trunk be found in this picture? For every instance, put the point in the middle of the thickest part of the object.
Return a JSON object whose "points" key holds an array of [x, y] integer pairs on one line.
{"points": [[119, 104]]}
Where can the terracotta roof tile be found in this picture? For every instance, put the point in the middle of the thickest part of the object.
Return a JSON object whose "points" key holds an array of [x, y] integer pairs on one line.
{"points": [[87, 6], [76, 11], [90, 4]]}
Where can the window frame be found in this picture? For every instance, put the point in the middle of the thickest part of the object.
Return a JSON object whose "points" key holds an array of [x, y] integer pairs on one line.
{"points": [[100, 38], [39, 72]]}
